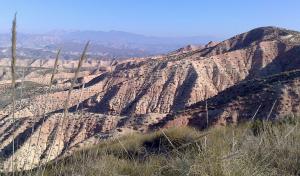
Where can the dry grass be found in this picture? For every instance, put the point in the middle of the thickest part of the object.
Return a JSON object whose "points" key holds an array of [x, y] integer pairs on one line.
{"points": [[66, 106], [47, 95], [82, 58], [13, 76], [54, 69], [181, 152]]}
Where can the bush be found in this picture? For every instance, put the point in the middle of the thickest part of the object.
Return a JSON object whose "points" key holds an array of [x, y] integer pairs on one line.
{"points": [[257, 127]]}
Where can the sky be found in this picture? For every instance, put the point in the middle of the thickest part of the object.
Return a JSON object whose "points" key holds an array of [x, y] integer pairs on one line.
{"points": [[169, 18]]}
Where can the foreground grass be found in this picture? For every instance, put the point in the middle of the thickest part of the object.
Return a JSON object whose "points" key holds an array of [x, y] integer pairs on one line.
{"points": [[254, 148]]}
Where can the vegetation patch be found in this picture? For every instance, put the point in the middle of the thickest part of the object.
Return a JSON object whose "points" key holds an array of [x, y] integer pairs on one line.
{"points": [[231, 150]]}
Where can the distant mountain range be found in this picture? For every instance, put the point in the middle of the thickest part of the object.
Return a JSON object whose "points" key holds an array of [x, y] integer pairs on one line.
{"points": [[112, 44]]}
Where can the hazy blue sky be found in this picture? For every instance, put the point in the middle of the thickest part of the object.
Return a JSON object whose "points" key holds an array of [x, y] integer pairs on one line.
{"points": [[220, 18]]}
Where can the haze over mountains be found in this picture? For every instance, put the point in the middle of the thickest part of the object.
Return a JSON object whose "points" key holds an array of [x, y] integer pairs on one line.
{"points": [[112, 44]]}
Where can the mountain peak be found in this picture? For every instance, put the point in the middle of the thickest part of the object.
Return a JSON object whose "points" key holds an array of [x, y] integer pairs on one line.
{"points": [[267, 33], [255, 36], [270, 32]]}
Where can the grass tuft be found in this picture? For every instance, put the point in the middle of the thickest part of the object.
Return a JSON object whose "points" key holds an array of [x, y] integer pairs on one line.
{"points": [[180, 151]]}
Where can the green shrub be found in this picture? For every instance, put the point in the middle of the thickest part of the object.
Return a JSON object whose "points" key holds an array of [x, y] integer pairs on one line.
{"points": [[257, 127]]}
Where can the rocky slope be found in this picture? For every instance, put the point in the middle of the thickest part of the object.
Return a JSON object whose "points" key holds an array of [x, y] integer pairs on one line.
{"points": [[273, 97], [170, 83], [189, 48]]}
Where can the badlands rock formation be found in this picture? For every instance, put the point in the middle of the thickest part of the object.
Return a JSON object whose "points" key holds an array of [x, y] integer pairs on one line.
{"points": [[236, 76], [274, 97], [171, 83]]}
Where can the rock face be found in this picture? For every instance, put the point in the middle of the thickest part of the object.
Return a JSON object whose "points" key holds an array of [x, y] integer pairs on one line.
{"points": [[270, 98], [190, 48], [171, 83]]}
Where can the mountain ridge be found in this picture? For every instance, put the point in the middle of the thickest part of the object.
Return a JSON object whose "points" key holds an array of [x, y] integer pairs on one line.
{"points": [[106, 44], [190, 73]]}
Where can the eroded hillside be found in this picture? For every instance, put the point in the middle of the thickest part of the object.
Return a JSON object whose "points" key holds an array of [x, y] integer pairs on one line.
{"points": [[171, 83], [137, 95]]}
